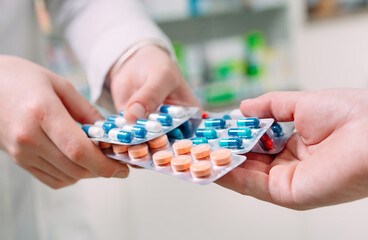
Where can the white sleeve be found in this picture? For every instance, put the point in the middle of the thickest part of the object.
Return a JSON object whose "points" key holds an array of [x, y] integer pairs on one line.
{"points": [[100, 31]]}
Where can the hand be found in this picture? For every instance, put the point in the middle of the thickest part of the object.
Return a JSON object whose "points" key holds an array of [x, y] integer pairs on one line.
{"points": [[146, 80], [38, 129], [324, 163]]}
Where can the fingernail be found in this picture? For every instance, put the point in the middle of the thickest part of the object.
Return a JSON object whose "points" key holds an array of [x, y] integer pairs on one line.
{"points": [[137, 110], [121, 174]]}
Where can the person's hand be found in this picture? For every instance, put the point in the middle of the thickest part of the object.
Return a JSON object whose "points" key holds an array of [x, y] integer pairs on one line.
{"points": [[324, 163], [146, 80], [38, 129]]}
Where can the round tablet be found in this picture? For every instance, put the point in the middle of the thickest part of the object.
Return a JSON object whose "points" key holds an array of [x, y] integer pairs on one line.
{"points": [[201, 151], [201, 169], [116, 148], [162, 157], [158, 142], [182, 146], [104, 145], [221, 156], [181, 163], [138, 151]]}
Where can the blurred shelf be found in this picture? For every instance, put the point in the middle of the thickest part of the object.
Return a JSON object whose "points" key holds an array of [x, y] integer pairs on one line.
{"points": [[317, 17]]}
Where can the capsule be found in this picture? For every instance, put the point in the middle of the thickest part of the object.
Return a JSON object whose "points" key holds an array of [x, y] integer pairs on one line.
{"points": [[207, 133], [199, 140], [277, 130], [118, 120], [176, 134], [138, 131], [233, 143], [107, 126], [121, 113], [226, 117], [240, 132], [164, 119], [266, 142], [151, 126], [93, 131], [215, 123], [174, 111], [248, 122], [120, 135]]}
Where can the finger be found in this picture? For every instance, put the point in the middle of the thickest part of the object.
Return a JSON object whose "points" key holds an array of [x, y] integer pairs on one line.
{"points": [[256, 166], [77, 105], [265, 158], [277, 105], [73, 142], [247, 182], [46, 178]]}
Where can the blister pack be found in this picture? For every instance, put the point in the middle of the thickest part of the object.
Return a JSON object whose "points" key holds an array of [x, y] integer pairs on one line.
{"points": [[115, 129], [182, 159]]}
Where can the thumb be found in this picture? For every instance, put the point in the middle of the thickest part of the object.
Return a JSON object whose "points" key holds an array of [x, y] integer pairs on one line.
{"points": [[77, 105], [147, 99], [277, 105]]}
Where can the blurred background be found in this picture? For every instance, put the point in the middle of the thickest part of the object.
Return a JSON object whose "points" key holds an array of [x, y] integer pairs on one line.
{"points": [[230, 50]]}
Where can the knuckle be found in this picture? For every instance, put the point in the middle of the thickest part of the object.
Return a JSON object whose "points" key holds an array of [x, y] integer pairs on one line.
{"points": [[36, 110], [76, 151], [80, 174], [106, 173], [22, 136]]}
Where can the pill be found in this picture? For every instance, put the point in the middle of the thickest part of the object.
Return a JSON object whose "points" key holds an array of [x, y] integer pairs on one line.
{"points": [[93, 131], [205, 115], [199, 140], [138, 151], [151, 126], [201, 151], [117, 134], [186, 129], [174, 111], [118, 120], [207, 133], [248, 122], [240, 132], [164, 119], [181, 163], [221, 156], [158, 142], [104, 145], [201, 169], [121, 113], [176, 134], [106, 126], [138, 131], [226, 117], [162, 158], [117, 148], [182, 146], [233, 143], [266, 142], [215, 123], [277, 130]]}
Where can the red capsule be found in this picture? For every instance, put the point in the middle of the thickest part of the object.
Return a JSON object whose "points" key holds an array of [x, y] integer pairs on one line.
{"points": [[267, 142], [205, 115]]}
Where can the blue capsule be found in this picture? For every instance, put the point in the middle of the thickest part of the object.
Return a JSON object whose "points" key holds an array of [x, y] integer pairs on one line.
{"points": [[215, 123], [175, 111], [151, 126], [199, 140], [240, 132], [176, 134], [121, 135], [107, 126], [138, 131], [248, 122], [226, 117], [121, 113], [233, 143], [118, 120], [164, 119], [207, 133], [93, 131], [277, 130]]}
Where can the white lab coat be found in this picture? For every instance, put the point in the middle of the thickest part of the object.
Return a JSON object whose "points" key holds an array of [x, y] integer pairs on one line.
{"points": [[98, 31]]}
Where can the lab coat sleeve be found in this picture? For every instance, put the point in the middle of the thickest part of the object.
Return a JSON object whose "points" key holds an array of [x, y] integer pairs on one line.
{"points": [[100, 31]]}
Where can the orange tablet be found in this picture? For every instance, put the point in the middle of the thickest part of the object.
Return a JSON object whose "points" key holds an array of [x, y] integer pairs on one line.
{"points": [[182, 147], [201, 169], [201, 151], [119, 148], [181, 163], [138, 151], [162, 158], [221, 156], [104, 145], [158, 142]]}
